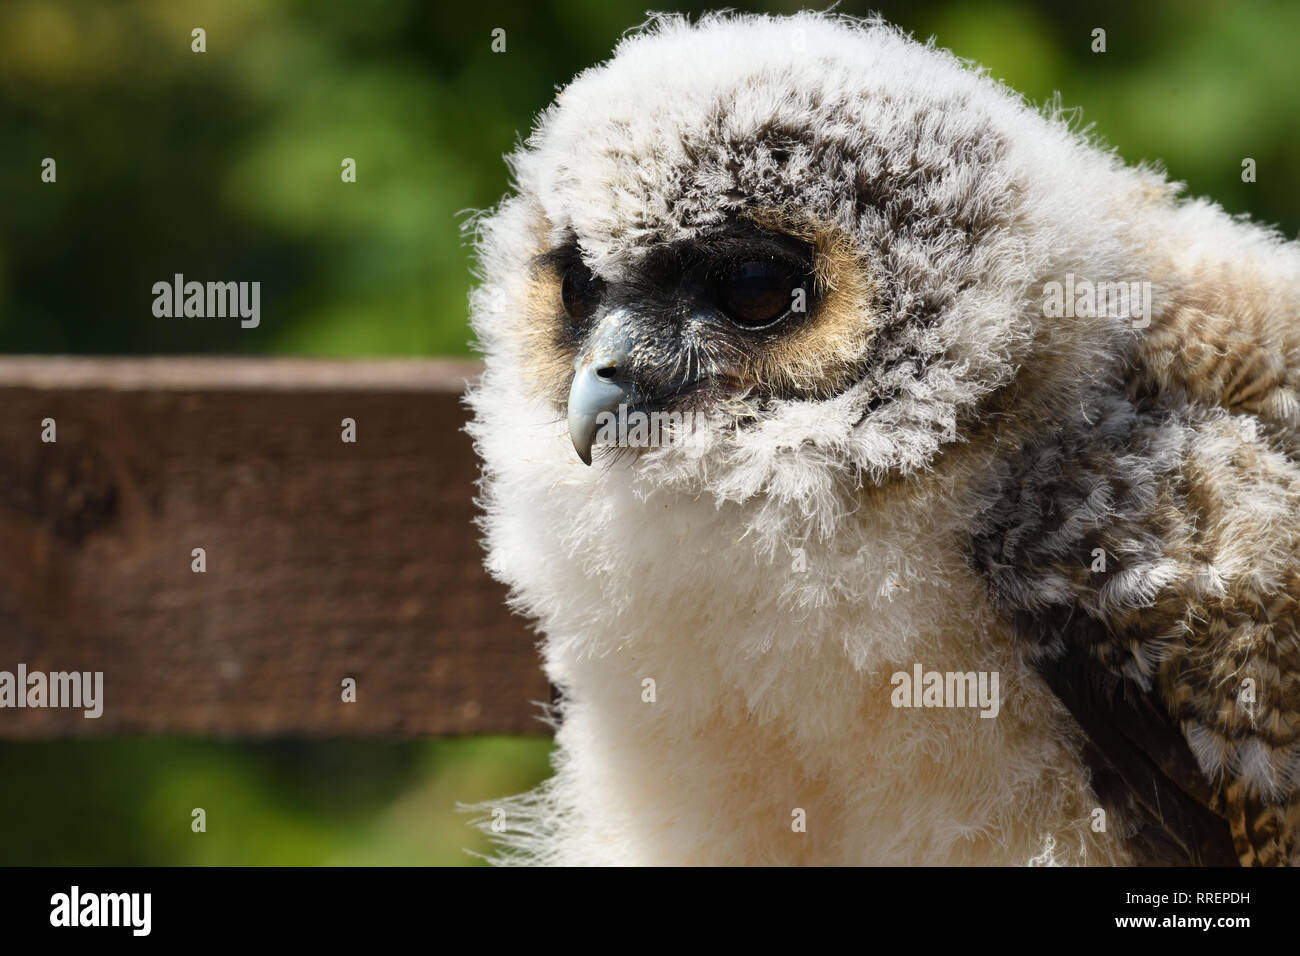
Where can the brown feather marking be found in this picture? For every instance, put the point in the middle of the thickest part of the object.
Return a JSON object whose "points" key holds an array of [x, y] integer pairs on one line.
{"points": [[1226, 338]]}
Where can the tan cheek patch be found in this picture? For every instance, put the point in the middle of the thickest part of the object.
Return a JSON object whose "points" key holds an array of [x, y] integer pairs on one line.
{"points": [[820, 358], [548, 364]]}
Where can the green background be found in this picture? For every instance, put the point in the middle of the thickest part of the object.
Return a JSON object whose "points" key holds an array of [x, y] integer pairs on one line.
{"points": [[225, 165]]}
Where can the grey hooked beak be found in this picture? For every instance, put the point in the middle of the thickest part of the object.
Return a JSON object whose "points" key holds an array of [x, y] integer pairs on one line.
{"points": [[599, 382], [590, 395]]}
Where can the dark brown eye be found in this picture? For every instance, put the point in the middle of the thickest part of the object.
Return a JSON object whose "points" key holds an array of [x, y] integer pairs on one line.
{"points": [[580, 291], [757, 294]]}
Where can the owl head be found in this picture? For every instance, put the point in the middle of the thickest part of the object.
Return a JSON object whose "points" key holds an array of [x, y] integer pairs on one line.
{"points": [[822, 239]]}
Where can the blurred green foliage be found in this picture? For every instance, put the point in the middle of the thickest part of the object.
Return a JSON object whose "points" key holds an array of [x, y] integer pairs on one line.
{"points": [[225, 165], [344, 802]]}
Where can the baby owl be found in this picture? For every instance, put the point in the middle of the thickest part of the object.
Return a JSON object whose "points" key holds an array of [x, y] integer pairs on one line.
{"points": [[954, 405]]}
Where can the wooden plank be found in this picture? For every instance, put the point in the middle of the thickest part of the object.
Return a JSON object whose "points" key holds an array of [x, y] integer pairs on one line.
{"points": [[324, 559]]}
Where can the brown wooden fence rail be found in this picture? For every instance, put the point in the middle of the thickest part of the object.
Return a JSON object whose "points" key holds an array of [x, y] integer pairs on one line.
{"points": [[324, 559]]}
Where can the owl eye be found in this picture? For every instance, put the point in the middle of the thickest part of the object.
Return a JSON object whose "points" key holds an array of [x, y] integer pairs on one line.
{"points": [[757, 294], [580, 291]]}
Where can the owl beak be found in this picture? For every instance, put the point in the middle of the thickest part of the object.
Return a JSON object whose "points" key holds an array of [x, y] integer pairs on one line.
{"points": [[600, 382], [592, 396]]}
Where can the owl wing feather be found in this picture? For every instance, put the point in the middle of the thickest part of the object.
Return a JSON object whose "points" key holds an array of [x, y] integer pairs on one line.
{"points": [[1141, 764], [1229, 339], [1179, 656]]}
